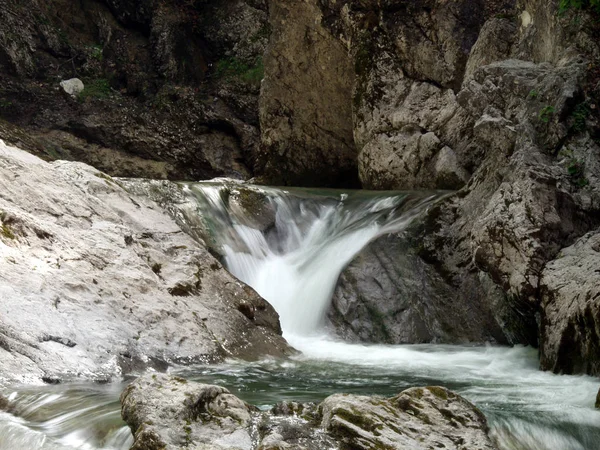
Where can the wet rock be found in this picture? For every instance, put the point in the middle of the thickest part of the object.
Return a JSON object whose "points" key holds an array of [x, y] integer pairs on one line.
{"points": [[570, 287], [170, 412], [389, 294], [103, 282], [418, 418], [73, 87]]}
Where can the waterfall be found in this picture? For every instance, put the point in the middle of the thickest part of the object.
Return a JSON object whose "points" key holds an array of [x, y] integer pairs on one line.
{"points": [[295, 259]]}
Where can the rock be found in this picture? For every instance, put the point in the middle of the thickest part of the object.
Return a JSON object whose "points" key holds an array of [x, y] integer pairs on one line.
{"points": [[570, 291], [166, 95], [388, 294], [103, 282], [418, 418], [598, 400], [169, 413], [73, 87], [306, 107]]}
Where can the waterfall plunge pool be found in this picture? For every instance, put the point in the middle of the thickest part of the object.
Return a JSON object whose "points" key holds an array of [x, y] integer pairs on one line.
{"points": [[294, 262]]}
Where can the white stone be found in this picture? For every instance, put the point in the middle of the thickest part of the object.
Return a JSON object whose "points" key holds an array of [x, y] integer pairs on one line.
{"points": [[73, 86]]}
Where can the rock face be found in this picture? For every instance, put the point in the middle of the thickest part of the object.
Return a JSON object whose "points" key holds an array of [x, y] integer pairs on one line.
{"points": [[418, 418], [570, 289], [306, 109], [169, 412], [480, 103], [388, 294], [97, 282], [171, 88]]}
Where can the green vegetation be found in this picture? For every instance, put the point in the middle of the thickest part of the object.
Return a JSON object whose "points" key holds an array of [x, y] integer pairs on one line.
{"points": [[565, 5], [533, 94], [580, 115], [546, 113], [7, 232], [575, 167], [232, 67], [96, 52], [98, 88]]}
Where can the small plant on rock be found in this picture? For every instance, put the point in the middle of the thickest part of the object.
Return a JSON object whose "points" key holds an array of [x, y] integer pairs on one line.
{"points": [[546, 113], [565, 5]]}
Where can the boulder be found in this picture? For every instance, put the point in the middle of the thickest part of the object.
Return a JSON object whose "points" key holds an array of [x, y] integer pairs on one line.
{"points": [[100, 282], [418, 418], [169, 413]]}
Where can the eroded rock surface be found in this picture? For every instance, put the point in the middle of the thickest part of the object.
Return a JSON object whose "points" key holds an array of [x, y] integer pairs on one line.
{"points": [[570, 287], [507, 119], [170, 413], [97, 282]]}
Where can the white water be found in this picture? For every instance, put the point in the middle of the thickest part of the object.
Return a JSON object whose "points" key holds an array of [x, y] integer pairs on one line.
{"points": [[295, 265], [297, 271]]}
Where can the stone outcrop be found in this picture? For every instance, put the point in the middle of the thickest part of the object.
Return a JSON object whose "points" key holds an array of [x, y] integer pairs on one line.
{"points": [[306, 108], [170, 412], [509, 119], [170, 88], [97, 282], [570, 290]]}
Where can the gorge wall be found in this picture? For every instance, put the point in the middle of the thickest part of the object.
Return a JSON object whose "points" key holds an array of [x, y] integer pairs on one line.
{"points": [[498, 100]]}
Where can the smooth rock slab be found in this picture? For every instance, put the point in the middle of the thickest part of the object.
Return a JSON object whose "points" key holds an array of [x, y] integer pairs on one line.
{"points": [[96, 282]]}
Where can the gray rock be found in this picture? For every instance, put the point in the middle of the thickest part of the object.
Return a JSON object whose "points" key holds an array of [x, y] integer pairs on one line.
{"points": [[570, 290], [418, 418], [73, 86], [98, 282], [170, 413], [390, 294], [306, 106]]}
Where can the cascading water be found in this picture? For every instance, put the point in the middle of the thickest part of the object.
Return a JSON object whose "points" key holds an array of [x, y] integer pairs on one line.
{"points": [[291, 246], [296, 261]]}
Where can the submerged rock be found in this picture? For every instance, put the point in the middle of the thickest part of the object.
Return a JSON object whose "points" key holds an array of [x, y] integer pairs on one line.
{"points": [[169, 413], [98, 282]]}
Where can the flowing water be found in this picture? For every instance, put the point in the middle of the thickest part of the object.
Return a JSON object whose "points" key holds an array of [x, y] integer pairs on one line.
{"points": [[294, 259]]}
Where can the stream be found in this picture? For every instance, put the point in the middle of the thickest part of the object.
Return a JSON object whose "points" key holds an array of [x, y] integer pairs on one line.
{"points": [[294, 261]]}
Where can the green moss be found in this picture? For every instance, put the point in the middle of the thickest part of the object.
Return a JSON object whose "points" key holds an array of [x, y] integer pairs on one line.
{"points": [[565, 5], [438, 392], [7, 232], [546, 113], [233, 68], [98, 88]]}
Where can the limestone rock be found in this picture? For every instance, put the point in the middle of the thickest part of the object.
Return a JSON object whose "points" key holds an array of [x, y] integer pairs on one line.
{"points": [[98, 282], [389, 294], [170, 413], [570, 286], [306, 107], [72, 86], [418, 418]]}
